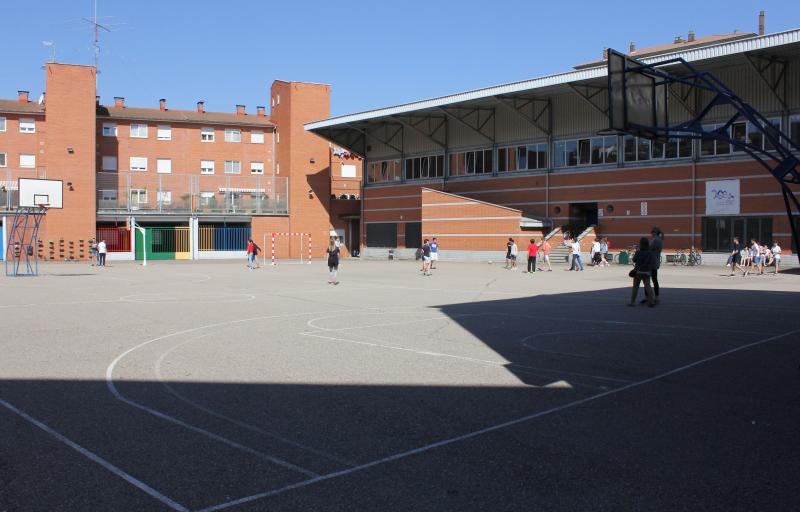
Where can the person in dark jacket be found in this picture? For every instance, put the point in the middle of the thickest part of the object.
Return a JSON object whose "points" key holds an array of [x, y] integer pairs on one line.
{"points": [[333, 262], [644, 263]]}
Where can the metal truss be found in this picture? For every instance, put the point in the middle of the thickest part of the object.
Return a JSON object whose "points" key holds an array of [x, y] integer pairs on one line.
{"points": [[592, 94], [477, 119], [537, 112], [780, 159], [772, 70], [432, 128]]}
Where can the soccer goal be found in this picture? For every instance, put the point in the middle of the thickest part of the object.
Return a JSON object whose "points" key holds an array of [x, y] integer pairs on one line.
{"points": [[282, 245]]}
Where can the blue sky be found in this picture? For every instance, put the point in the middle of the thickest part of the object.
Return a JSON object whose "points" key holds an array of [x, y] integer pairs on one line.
{"points": [[373, 54]]}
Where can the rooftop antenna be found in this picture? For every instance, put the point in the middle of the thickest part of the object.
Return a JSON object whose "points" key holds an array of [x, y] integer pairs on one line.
{"points": [[96, 44]]}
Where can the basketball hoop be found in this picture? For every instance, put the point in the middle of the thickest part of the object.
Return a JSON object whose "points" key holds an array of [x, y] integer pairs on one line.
{"points": [[43, 205]]}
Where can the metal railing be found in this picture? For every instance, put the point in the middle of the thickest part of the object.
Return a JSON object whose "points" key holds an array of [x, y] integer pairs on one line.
{"points": [[147, 192], [9, 193]]}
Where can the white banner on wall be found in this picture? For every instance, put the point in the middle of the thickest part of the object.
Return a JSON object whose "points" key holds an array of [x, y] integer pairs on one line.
{"points": [[722, 197]]}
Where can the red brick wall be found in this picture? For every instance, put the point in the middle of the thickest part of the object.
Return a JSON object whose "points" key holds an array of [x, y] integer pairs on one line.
{"points": [[304, 157], [668, 192], [70, 123]]}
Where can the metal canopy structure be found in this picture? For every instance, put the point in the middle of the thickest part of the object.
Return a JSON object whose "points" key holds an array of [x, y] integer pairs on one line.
{"points": [[638, 99], [531, 100]]}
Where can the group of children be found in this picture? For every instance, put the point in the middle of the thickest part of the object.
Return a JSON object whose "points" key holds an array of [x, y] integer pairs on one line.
{"points": [[540, 250], [430, 255], [753, 257]]}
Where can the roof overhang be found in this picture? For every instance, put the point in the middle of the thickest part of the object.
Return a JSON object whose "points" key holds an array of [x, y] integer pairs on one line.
{"points": [[350, 131]]}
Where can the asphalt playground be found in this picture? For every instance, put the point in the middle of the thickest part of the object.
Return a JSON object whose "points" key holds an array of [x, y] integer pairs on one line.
{"points": [[202, 386]]}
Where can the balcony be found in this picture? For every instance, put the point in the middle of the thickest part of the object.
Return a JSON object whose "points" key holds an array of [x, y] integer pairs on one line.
{"points": [[9, 192], [142, 193]]}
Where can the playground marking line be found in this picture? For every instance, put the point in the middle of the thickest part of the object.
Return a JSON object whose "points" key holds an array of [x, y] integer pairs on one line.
{"points": [[492, 428], [174, 505]]}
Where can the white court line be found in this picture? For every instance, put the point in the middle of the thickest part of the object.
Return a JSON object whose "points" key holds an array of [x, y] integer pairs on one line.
{"points": [[97, 459], [119, 396], [484, 362], [244, 425], [492, 428]]}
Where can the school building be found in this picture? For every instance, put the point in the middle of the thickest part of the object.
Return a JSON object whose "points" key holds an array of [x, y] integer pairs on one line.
{"points": [[527, 158], [200, 183]]}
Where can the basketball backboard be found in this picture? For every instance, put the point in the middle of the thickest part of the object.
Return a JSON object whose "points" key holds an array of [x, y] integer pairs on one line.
{"points": [[35, 192], [637, 100]]}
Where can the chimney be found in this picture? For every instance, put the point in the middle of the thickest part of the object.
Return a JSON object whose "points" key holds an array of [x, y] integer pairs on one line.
{"points": [[97, 100], [119, 102], [240, 110], [162, 104], [200, 107], [23, 96], [631, 48], [691, 36], [261, 111], [761, 23], [678, 39]]}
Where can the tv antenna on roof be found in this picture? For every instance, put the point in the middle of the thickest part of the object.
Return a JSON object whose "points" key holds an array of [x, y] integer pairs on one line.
{"points": [[96, 44]]}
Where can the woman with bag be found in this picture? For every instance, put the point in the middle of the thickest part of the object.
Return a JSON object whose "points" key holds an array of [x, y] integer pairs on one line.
{"points": [[644, 262]]}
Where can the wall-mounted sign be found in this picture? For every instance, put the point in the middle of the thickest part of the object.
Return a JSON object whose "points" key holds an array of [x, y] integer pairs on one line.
{"points": [[722, 197]]}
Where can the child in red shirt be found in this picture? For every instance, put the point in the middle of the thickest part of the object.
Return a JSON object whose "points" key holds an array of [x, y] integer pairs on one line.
{"points": [[533, 250]]}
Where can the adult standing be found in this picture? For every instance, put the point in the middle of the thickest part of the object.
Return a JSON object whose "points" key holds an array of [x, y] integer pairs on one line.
{"points": [[544, 254], [533, 250], [514, 254], [508, 252], [93, 251], [644, 263], [426, 258], [595, 253], [333, 262], [102, 249], [736, 255], [434, 252], [776, 254], [577, 264], [656, 246], [251, 254]]}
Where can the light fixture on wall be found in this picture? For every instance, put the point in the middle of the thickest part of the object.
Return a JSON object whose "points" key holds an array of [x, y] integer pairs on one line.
{"points": [[69, 186], [310, 194], [610, 208], [312, 160], [70, 150]]}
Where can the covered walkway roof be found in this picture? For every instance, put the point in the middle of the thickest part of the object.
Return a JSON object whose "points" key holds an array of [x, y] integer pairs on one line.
{"points": [[528, 98]]}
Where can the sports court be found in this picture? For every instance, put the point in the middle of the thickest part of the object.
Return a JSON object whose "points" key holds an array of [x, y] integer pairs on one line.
{"points": [[205, 386]]}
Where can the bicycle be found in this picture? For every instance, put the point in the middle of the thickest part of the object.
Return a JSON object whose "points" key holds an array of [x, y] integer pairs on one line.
{"points": [[693, 257]]}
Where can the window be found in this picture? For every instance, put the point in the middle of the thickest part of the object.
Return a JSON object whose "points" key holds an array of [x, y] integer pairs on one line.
{"points": [[520, 158], [423, 167], [718, 232], [277, 137], [206, 167], [348, 171], [109, 129], [256, 137], [27, 161], [164, 132], [207, 200], [139, 131], [206, 135], [163, 165], [589, 151], [382, 234], [383, 171], [638, 149], [138, 198], [471, 162], [233, 135], [109, 163], [3, 160], [2, 124], [741, 131], [794, 128], [233, 167], [139, 163], [164, 197], [27, 126], [256, 167]]}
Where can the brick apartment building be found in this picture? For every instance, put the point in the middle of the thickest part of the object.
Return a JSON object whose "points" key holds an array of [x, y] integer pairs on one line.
{"points": [[199, 182], [526, 158]]}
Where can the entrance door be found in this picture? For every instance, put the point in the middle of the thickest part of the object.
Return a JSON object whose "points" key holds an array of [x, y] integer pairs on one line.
{"points": [[355, 237], [581, 216]]}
